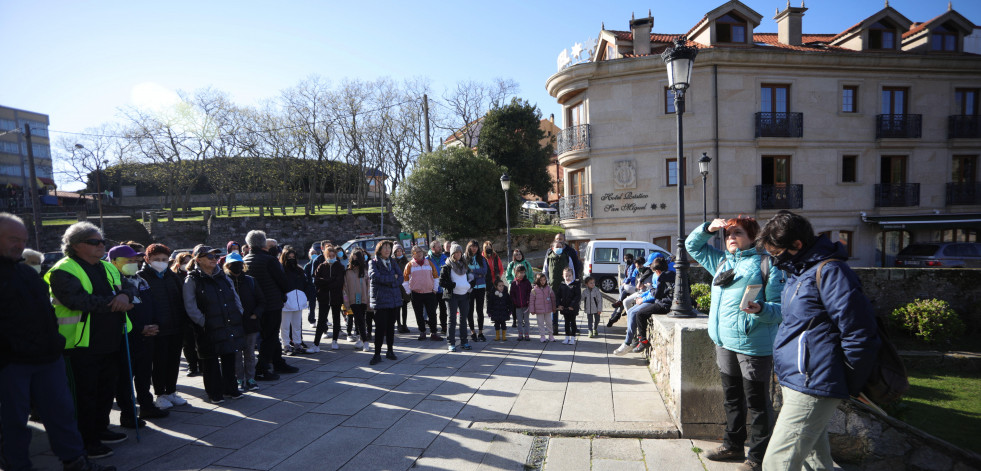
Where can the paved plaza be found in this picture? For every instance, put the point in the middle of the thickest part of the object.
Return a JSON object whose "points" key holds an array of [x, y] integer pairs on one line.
{"points": [[502, 406]]}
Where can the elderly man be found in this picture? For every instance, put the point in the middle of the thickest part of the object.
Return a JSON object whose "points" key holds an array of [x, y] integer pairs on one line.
{"points": [[271, 278], [559, 246], [32, 369], [91, 306]]}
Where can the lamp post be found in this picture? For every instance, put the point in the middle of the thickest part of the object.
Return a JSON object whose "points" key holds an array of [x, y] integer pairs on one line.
{"points": [[505, 185], [98, 185], [679, 61], [703, 168]]}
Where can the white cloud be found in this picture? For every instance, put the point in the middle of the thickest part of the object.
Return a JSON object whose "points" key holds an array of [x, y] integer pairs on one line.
{"points": [[153, 96]]}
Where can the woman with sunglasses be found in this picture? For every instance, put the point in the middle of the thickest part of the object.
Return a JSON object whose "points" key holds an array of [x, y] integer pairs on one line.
{"points": [[743, 336]]}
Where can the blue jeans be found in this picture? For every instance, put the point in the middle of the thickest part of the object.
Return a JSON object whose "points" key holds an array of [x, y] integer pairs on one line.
{"points": [[457, 302], [634, 320], [46, 387]]}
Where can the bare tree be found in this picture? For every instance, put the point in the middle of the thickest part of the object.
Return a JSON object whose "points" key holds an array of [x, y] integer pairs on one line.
{"points": [[469, 102]]}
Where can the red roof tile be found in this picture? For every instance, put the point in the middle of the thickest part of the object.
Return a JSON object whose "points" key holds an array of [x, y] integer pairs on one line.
{"points": [[849, 30]]}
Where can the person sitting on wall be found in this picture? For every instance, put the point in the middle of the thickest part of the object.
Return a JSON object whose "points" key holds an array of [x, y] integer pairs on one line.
{"points": [[655, 300]]}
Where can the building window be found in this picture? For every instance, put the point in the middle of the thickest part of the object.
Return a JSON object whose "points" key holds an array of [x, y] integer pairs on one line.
{"points": [[663, 242], [776, 170], [8, 147], [882, 35], [668, 101], [774, 98], [849, 168], [7, 125], [955, 235], [964, 169], [845, 237], [943, 39], [888, 244], [671, 171], [894, 100], [576, 182], [893, 169], [849, 99], [610, 53], [576, 114], [730, 29], [966, 100]]}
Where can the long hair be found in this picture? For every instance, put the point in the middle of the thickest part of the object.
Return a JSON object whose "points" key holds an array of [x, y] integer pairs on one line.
{"points": [[357, 261], [520, 252], [179, 261], [466, 253], [284, 255]]}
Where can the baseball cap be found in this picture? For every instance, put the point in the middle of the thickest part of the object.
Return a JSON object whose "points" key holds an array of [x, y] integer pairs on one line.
{"points": [[202, 249], [123, 251], [234, 257]]}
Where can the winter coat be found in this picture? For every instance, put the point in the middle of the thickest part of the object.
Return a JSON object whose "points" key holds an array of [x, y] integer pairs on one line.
{"points": [[568, 296], [298, 290], [166, 299], [438, 262], [541, 301], [662, 293], [478, 266], [28, 325], [420, 278], [555, 265], [448, 284], [574, 261], [499, 308], [728, 326], [269, 273], [495, 270], [142, 313], [521, 293], [216, 311], [385, 284], [253, 302], [835, 357], [329, 279], [356, 288], [592, 300], [509, 274]]}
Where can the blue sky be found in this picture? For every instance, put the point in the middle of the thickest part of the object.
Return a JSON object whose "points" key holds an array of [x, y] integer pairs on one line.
{"points": [[79, 62]]}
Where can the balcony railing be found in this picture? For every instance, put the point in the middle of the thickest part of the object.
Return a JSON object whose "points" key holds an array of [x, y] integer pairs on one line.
{"points": [[576, 207], [779, 124], [964, 126], [902, 126], [779, 196], [963, 193], [573, 138], [897, 194]]}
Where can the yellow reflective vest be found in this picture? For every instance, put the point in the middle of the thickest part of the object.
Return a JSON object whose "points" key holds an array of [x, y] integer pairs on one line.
{"points": [[73, 324]]}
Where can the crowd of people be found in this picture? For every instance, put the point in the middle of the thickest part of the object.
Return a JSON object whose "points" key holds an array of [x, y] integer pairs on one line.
{"points": [[105, 326]]}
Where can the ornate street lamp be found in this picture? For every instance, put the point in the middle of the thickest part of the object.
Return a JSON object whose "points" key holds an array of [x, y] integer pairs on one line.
{"points": [[679, 61], [703, 168], [505, 185]]}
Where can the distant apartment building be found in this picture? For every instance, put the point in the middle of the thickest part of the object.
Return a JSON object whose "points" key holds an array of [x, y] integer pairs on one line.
{"points": [[14, 170], [873, 133]]}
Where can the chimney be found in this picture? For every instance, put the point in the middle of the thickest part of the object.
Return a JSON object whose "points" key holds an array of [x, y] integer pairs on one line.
{"points": [[551, 118], [641, 31], [789, 24]]}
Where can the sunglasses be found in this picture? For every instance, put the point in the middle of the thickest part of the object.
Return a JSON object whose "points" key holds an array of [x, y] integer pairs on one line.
{"points": [[94, 242], [209, 256]]}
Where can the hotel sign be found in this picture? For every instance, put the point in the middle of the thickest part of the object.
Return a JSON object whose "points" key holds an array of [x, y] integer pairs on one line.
{"points": [[629, 202]]}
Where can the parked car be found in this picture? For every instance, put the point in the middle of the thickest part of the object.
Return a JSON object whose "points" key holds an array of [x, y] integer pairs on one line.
{"points": [[538, 206], [940, 255], [603, 259], [366, 243], [49, 260]]}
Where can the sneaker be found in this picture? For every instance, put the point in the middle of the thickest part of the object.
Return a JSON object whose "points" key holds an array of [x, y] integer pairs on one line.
{"points": [[422, 336], [641, 346], [176, 400], [163, 402], [98, 451], [313, 349], [82, 463], [152, 412], [451, 348], [190, 374], [480, 338], [358, 344], [391, 356], [236, 394], [251, 385], [216, 399], [129, 422], [334, 346], [622, 350], [551, 338], [353, 338], [725, 454], [375, 359], [435, 337], [473, 336], [403, 329], [467, 346], [543, 339], [572, 340], [266, 376], [366, 348], [108, 437], [566, 341], [285, 368], [750, 465], [303, 348]]}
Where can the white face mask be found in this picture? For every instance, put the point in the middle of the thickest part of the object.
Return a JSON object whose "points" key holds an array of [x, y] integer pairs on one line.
{"points": [[36, 268], [130, 269], [159, 266]]}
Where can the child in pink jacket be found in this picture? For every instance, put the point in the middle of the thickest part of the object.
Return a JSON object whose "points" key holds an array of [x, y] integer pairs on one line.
{"points": [[542, 304]]}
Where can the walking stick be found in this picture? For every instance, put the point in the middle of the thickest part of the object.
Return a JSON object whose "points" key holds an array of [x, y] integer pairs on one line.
{"points": [[132, 389]]}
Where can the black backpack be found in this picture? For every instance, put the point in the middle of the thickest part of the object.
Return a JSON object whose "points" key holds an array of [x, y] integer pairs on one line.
{"points": [[888, 381]]}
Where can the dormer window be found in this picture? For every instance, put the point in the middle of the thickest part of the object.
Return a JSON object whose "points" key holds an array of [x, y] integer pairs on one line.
{"points": [[882, 35], [730, 29], [943, 38]]}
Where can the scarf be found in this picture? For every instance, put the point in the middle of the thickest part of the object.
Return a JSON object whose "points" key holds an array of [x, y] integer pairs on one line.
{"points": [[459, 267]]}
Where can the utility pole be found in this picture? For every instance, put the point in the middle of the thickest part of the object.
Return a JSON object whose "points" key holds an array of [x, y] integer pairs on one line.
{"points": [[35, 202], [425, 114]]}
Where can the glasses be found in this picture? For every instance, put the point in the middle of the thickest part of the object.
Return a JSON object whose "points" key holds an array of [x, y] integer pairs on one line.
{"points": [[94, 242], [209, 256]]}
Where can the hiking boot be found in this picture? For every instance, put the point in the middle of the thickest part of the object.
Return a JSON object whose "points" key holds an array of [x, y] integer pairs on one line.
{"points": [[725, 454], [83, 463], [750, 465]]}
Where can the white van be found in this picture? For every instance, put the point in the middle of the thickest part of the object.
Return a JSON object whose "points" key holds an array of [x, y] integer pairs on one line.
{"points": [[602, 259]]}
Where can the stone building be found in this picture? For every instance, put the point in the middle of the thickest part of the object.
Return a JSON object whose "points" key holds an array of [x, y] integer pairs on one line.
{"points": [[14, 169], [873, 132]]}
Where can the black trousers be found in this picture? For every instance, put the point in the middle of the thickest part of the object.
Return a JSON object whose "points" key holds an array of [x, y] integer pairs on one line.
{"points": [[400, 320], [334, 310], [141, 354], [421, 304], [358, 319], [477, 301], [745, 381], [92, 378], [570, 325], [442, 311], [219, 375], [190, 350], [166, 363], [270, 350], [385, 328]]}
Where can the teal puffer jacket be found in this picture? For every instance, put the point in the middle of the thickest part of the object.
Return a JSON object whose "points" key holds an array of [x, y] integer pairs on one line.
{"points": [[728, 326]]}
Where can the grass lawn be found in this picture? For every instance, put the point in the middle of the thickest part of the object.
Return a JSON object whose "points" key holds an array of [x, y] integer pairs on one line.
{"points": [[946, 404], [58, 222], [243, 211], [541, 230]]}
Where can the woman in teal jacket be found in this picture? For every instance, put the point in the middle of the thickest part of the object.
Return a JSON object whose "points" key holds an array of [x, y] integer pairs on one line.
{"points": [[743, 337]]}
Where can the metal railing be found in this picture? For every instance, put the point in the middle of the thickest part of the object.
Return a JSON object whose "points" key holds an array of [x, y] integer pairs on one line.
{"points": [[902, 126], [576, 207], [963, 193], [573, 138], [781, 124], [779, 196], [897, 194], [964, 126]]}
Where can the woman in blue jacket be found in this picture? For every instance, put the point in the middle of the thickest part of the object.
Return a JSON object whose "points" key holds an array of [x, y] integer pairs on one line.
{"points": [[385, 282], [743, 337]]}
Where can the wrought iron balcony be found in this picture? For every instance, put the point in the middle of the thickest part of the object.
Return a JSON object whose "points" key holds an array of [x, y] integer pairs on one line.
{"points": [[576, 207], [964, 126], [963, 193], [902, 126], [779, 124], [897, 194], [573, 138], [779, 196]]}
